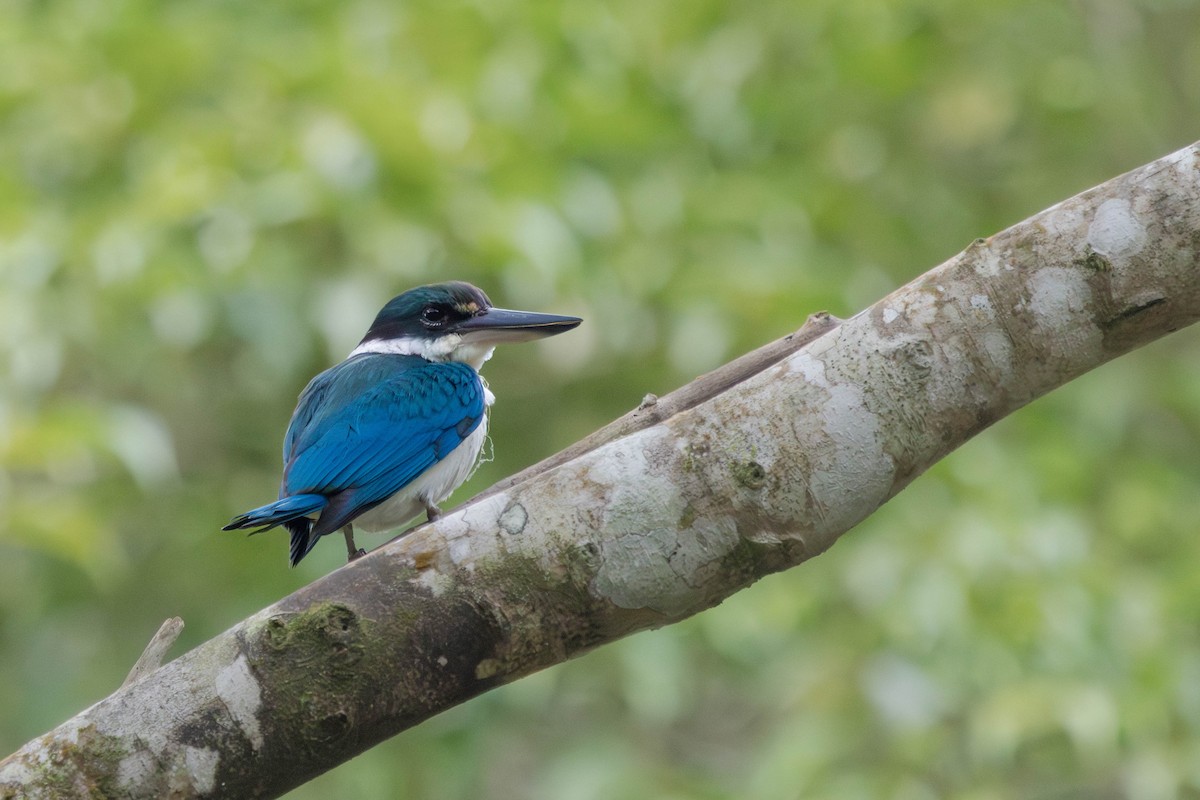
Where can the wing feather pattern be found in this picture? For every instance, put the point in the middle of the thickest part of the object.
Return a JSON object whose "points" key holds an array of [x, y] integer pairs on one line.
{"points": [[369, 426]]}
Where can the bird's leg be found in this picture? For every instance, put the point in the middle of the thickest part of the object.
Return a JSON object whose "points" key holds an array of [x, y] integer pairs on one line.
{"points": [[352, 551], [431, 511]]}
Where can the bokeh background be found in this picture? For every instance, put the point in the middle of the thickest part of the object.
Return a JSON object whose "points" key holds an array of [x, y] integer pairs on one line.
{"points": [[203, 204]]}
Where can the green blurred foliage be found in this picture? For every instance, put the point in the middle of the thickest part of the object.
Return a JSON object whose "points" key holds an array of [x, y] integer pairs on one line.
{"points": [[202, 204]]}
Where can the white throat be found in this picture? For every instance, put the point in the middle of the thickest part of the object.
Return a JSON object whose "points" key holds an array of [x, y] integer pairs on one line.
{"points": [[451, 347]]}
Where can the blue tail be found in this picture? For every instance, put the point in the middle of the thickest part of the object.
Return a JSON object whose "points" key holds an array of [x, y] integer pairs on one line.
{"points": [[291, 512]]}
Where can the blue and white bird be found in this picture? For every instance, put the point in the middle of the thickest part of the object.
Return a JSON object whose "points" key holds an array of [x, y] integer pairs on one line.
{"points": [[398, 425]]}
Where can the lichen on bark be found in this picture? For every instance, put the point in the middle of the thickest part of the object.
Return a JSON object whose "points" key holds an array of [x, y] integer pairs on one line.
{"points": [[681, 504]]}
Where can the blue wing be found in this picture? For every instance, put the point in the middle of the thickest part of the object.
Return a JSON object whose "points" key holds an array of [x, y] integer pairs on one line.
{"points": [[369, 426]]}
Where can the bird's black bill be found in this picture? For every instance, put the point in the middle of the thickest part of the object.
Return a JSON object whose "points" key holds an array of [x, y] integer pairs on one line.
{"points": [[502, 325]]}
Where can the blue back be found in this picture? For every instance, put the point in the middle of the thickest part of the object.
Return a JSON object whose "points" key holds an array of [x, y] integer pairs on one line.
{"points": [[369, 426]]}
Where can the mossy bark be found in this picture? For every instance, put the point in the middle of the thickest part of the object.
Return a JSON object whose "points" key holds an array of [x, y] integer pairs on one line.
{"points": [[751, 470]]}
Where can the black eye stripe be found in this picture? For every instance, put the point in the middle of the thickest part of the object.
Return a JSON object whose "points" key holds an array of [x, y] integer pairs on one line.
{"points": [[435, 316]]}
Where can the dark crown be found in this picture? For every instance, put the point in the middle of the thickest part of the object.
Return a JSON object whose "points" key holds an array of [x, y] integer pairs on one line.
{"points": [[427, 311]]}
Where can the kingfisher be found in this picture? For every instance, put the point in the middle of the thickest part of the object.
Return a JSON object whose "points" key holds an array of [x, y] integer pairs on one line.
{"points": [[400, 424]]}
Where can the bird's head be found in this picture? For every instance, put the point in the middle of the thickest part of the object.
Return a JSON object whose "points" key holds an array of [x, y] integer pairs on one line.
{"points": [[454, 321]]}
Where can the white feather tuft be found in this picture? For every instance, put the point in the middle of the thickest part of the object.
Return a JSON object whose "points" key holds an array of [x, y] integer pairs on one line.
{"points": [[450, 347]]}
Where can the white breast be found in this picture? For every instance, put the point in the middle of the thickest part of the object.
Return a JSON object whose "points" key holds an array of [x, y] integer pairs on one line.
{"points": [[433, 485]]}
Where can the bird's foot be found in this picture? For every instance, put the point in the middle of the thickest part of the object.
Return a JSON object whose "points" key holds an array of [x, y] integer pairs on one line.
{"points": [[353, 551], [432, 512]]}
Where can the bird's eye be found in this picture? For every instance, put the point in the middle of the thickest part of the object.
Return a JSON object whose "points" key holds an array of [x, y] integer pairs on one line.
{"points": [[432, 315]]}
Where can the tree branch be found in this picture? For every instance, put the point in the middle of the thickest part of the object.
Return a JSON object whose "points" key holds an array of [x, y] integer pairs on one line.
{"points": [[152, 657], [687, 501]]}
